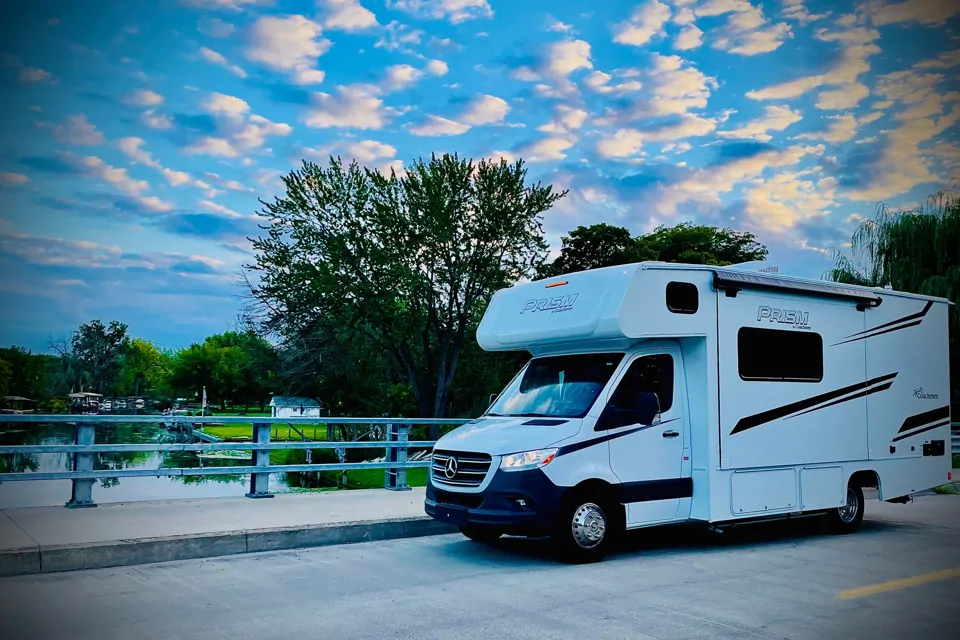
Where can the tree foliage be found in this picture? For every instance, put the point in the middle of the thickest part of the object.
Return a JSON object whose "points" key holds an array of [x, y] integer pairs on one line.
{"points": [[603, 245], [409, 263]]}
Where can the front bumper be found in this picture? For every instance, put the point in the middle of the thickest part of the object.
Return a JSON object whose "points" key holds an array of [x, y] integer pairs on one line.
{"points": [[515, 502]]}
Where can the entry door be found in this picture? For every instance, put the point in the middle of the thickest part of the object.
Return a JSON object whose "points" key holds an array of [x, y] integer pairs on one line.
{"points": [[648, 460]]}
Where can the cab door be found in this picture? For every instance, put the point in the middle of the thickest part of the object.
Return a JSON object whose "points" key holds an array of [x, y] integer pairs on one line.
{"points": [[648, 459]]}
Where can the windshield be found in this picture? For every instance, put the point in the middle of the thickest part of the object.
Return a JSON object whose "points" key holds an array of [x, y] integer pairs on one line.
{"points": [[557, 386]]}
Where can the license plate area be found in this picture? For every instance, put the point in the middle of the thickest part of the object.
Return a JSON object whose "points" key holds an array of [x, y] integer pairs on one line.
{"points": [[451, 514]]}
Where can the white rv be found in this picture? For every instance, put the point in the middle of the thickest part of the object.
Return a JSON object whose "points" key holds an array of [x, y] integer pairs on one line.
{"points": [[663, 393]]}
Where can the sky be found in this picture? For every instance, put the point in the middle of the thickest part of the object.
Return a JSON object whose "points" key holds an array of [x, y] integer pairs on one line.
{"points": [[140, 135]]}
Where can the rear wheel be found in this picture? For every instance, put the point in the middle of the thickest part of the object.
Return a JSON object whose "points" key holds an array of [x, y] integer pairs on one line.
{"points": [[847, 518], [481, 534], [584, 528]]}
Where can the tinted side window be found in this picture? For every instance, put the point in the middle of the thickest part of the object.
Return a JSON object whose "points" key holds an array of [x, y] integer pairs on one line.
{"points": [[682, 297], [772, 354], [649, 373]]}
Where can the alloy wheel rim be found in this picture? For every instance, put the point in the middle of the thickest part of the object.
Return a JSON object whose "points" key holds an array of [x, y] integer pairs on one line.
{"points": [[848, 512], [589, 526]]}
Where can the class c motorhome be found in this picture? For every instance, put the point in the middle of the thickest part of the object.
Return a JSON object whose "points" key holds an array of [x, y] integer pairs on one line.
{"points": [[662, 394]]}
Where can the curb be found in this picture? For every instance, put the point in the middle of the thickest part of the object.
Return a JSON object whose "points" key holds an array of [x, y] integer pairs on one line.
{"points": [[120, 553]]}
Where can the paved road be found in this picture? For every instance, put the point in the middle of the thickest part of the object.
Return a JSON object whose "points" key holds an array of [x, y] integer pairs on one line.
{"points": [[769, 582]]}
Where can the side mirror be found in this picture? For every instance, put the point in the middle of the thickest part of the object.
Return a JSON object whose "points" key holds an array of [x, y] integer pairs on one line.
{"points": [[493, 398], [648, 408]]}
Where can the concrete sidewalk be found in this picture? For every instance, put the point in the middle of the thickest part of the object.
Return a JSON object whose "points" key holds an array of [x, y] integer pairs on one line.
{"points": [[51, 539]]}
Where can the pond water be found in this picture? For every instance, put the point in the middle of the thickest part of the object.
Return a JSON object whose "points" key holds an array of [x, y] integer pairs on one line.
{"points": [[57, 492]]}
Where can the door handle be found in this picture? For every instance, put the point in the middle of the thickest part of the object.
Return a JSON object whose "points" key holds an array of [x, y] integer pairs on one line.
{"points": [[670, 434]]}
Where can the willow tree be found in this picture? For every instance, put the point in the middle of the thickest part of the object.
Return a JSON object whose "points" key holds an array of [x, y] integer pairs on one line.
{"points": [[409, 262], [917, 251]]}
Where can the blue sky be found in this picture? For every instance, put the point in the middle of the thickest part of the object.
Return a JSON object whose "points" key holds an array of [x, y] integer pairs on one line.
{"points": [[139, 135]]}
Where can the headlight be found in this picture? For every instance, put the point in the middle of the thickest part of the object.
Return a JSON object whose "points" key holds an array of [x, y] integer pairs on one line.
{"points": [[527, 460]]}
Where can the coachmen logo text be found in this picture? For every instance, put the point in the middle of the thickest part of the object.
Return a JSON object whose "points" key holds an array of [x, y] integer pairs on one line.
{"points": [[553, 305], [799, 319]]}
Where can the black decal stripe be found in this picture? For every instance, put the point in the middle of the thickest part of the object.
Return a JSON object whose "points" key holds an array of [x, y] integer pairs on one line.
{"points": [[862, 394], [874, 335], [916, 316], [919, 431], [650, 490], [579, 446], [940, 413], [780, 412]]}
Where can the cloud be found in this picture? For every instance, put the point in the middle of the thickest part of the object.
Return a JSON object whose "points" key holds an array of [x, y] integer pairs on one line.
{"points": [[559, 27], [346, 15], [647, 21], [747, 31], [397, 37], [353, 107], [132, 148], [437, 126], [76, 130], [224, 105], [628, 142], [926, 12], [214, 207], [238, 135], [858, 45], [156, 120], [225, 5], [119, 179], [371, 153], [34, 75], [143, 98], [689, 38], [290, 44], [566, 120], [481, 110], [546, 150], [485, 109], [456, 11], [599, 82], [675, 87], [400, 76], [216, 28], [438, 67], [213, 57], [841, 129], [13, 179], [775, 118], [946, 60], [555, 62], [795, 10]]}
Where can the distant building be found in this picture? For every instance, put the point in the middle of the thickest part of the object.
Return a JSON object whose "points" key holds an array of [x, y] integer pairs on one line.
{"points": [[292, 407]]}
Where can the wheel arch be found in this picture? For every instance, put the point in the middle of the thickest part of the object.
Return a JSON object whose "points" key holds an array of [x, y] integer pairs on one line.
{"points": [[866, 478]]}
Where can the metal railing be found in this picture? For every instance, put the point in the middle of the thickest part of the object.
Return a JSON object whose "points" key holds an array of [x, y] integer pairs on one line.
{"points": [[84, 450]]}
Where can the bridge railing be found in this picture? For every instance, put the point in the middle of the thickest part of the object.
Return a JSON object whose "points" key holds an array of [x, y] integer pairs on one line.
{"points": [[84, 450]]}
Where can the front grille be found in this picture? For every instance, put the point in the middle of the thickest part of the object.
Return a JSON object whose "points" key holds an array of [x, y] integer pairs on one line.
{"points": [[471, 468], [468, 500]]}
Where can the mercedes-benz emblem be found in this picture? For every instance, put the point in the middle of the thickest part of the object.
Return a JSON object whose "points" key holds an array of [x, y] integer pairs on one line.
{"points": [[450, 469]]}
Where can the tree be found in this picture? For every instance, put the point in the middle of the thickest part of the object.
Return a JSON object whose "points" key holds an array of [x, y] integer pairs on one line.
{"points": [[94, 356], [916, 251], [603, 245], [144, 370], [597, 246], [408, 262]]}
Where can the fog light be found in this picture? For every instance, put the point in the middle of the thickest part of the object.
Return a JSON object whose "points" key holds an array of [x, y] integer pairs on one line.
{"points": [[521, 502]]}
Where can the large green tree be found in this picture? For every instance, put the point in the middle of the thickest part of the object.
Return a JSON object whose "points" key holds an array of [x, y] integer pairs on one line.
{"points": [[409, 262], [603, 245], [93, 357]]}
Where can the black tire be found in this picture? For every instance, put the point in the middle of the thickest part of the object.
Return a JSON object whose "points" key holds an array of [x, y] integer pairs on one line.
{"points": [[586, 524], [481, 534], [846, 519]]}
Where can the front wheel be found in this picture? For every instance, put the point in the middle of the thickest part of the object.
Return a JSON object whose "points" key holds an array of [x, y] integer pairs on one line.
{"points": [[847, 519], [481, 534], [584, 528]]}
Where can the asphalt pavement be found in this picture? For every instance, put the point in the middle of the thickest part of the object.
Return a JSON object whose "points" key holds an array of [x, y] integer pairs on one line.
{"points": [[899, 577]]}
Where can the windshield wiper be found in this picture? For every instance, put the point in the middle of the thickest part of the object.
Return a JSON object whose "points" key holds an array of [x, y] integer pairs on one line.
{"points": [[531, 415]]}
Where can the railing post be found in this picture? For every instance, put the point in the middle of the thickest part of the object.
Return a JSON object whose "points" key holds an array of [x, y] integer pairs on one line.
{"points": [[82, 492], [396, 479], [260, 482]]}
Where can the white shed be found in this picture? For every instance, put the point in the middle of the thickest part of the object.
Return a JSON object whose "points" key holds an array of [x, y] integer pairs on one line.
{"points": [[293, 407]]}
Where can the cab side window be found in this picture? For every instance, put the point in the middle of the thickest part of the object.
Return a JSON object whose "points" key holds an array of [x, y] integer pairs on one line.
{"points": [[647, 374]]}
